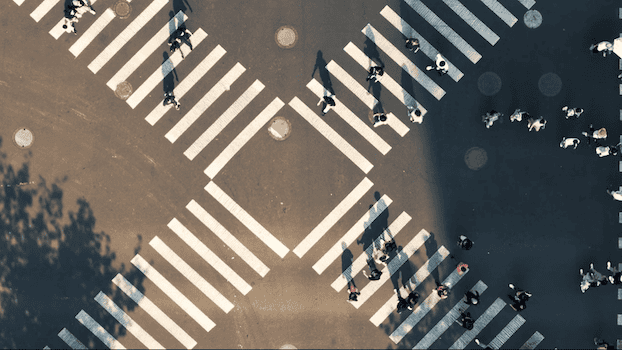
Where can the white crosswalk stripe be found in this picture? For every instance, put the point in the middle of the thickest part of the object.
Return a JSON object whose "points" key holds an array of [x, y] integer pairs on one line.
{"points": [[481, 322], [166, 68], [331, 135], [206, 101], [173, 293], [331, 219], [126, 321], [424, 271], [71, 340], [349, 82], [402, 61], [125, 36], [212, 259], [19, 2], [445, 30], [499, 10], [392, 267], [227, 117], [394, 229], [99, 331], [100, 23], [424, 45], [189, 81], [365, 221], [255, 227], [533, 341], [507, 332], [448, 319], [89, 35], [249, 131], [472, 21], [528, 3], [43, 8], [152, 310], [147, 50], [355, 122], [191, 274]]}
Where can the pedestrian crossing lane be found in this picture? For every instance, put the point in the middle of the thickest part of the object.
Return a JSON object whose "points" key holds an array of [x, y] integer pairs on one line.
{"points": [[481, 322], [126, 321], [470, 19], [89, 35], [44, 7], [71, 340], [99, 331], [401, 59], [507, 332], [147, 50], [349, 82], [184, 303], [18, 2], [392, 267], [499, 10], [533, 341], [152, 310]]}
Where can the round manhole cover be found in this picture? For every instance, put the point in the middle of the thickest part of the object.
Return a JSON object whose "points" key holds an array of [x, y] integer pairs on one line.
{"points": [[23, 138], [122, 9], [489, 83], [550, 84], [280, 128], [533, 19], [286, 37], [475, 158], [123, 90]]}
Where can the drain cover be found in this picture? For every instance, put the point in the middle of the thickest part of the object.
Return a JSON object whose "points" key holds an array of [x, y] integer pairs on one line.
{"points": [[533, 19], [122, 9], [475, 158], [286, 37], [280, 128], [123, 90], [23, 138]]}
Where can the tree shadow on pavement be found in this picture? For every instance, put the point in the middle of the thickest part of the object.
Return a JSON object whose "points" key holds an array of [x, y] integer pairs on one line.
{"points": [[320, 65], [52, 264]]}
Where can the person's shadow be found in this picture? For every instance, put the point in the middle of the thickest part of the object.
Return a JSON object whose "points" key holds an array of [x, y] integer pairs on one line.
{"points": [[168, 82], [402, 273], [382, 221], [368, 234], [180, 5], [320, 64], [430, 249], [346, 262]]}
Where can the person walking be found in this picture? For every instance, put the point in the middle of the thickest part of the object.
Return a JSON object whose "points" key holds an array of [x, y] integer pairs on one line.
{"points": [[490, 118], [182, 34], [471, 298], [169, 98], [604, 151], [174, 45], [374, 73], [82, 7], [572, 112], [442, 290], [537, 124], [412, 299], [440, 65], [602, 345], [568, 141], [70, 19], [520, 298], [414, 114], [518, 116], [329, 103], [604, 46], [591, 279], [465, 320], [402, 304], [353, 292], [600, 134], [380, 119], [464, 242], [616, 277], [617, 195], [412, 44], [373, 270]]}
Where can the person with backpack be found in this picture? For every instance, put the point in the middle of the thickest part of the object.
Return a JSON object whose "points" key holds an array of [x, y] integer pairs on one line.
{"points": [[412, 299], [169, 98], [353, 292], [520, 298], [374, 73], [464, 242], [442, 290], [380, 119], [616, 277], [412, 44], [374, 272], [471, 298], [465, 320], [441, 65], [329, 103]]}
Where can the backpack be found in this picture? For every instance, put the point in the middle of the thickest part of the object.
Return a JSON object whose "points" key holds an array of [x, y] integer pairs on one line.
{"points": [[375, 275]]}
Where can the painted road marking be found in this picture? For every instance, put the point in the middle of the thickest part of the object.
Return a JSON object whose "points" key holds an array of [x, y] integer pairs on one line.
{"points": [[444, 30], [43, 9], [189, 81], [355, 122], [499, 10], [126, 321], [191, 274], [481, 322], [89, 35], [224, 84], [70, 339], [448, 319], [386, 80], [402, 61], [528, 4], [154, 311], [255, 227], [331, 135], [392, 267], [424, 45], [58, 30], [167, 67], [98, 330], [419, 313], [507, 332], [212, 259], [423, 273], [396, 124], [249, 131], [173, 293], [227, 117], [532, 342], [227, 238], [473, 21], [396, 226], [359, 227], [357, 89], [331, 219], [125, 36], [147, 50], [19, 2]]}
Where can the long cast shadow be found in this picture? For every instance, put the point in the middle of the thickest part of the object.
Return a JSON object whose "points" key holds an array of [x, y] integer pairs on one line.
{"points": [[430, 249], [320, 65], [168, 82], [180, 5]]}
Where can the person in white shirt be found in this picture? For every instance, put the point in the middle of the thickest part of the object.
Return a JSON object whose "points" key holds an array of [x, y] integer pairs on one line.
{"points": [[604, 46], [537, 124], [617, 195], [414, 114], [441, 65], [572, 112]]}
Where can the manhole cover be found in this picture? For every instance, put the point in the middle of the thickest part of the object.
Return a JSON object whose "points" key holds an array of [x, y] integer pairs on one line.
{"points": [[280, 128], [122, 9], [532, 19], [489, 83], [475, 158], [123, 90], [286, 37], [550, 84], [23, 138]]}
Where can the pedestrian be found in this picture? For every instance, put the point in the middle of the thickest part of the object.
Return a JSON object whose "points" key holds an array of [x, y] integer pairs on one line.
{"points": [[169, 98], [462, 268], [441, 65], [380, 119], [604, 46], [538, 124], [616, 277], [464, 242], [478, 342], [373, 270], [465, 320], [518, 116], [328, 101], [519, 299], [567, 141], [353, 292], [402, 304], [182, 34], [412, 44], [471, 298], [412, 299], [175, 45], [600, 134], [617, 195], [442, 290], [70, 19], [374, 73], [490, 118], [604, 151], [591, 279], [602, 345], [572, 112], [81, 7], [415, 115]]}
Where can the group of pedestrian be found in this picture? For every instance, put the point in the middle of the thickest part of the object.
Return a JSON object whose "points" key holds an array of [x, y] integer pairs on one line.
{"points": [[519, 299], [594, 278], [532, 123], [73, 12], [180, 36], [380, 255]]}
